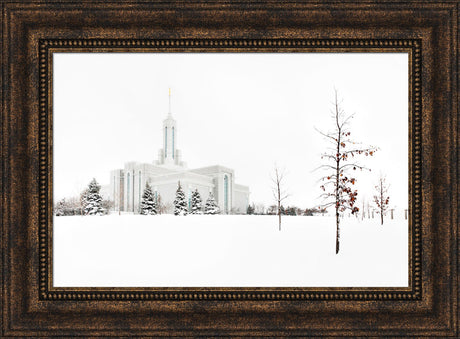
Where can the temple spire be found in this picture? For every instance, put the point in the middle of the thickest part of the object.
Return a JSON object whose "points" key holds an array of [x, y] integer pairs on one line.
{"points": [[169, 138]]}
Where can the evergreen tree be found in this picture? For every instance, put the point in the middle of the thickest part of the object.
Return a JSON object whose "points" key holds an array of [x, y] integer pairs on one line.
{"points": [[148, 203], [251, 209], [60, 208], [180, 204], [282, 210], [92, 199], [196, 202], [211, 206]]}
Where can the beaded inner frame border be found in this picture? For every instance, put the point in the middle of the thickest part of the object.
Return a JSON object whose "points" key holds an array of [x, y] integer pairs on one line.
{"points": [[49, 46]]}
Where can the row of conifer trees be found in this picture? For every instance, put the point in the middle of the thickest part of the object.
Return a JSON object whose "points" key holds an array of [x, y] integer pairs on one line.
{"points": [[150, 206], [92, 203]]}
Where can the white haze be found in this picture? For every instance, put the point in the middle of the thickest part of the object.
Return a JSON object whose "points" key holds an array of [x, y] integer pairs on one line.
{"points": [[245, 111]]}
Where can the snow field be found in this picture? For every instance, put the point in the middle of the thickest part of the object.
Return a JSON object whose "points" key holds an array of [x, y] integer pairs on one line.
{"points": [[227, 250]]}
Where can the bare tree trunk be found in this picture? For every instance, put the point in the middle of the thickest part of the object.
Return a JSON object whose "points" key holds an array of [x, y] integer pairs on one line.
{"points": [[337, 235], [279, 218], [337, 174], [381, 201], [279, 206], [278, 192]]}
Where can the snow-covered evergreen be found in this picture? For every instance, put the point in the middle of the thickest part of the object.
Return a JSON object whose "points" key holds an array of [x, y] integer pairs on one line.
{"points": [[92, 199], [196, 202], [211, 206], [60, 207], [180, 204], [148, 203]]}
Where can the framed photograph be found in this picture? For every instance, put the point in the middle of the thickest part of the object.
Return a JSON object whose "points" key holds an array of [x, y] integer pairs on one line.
{"points": [[193, 224], [229, 169]]}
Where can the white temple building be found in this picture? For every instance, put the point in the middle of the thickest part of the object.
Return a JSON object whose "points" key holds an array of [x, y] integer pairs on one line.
{"points": [[163, 175]]}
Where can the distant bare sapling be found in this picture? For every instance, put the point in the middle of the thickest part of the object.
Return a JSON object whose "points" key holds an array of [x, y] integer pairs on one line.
{"points": [[279, 191], [381, 197]]}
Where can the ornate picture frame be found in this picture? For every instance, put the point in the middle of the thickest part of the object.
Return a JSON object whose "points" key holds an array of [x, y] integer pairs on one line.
{"points": [[33, 30]]}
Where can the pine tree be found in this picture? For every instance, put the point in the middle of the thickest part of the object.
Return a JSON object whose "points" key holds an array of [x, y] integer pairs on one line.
{"points": [[148, 203], [180, 204], [60, 208], [211, 206], [196, 202], [92, 199]]}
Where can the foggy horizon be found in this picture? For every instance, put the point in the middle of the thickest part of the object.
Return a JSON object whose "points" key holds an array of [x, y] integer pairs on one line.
{"points": [[242, 111]]}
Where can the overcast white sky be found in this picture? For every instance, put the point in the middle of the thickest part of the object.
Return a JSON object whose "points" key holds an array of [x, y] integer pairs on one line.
{"points": [[244, 111]]}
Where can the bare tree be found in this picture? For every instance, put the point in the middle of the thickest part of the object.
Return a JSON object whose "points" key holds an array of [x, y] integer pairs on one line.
{"points": [[381, 198], [162, 208], [83, 195], [272, 210], [337, 184], [259, 208], [279, 191]]}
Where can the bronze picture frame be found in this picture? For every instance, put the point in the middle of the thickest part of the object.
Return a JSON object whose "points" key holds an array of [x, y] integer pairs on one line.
{"points": [[33, 30]]}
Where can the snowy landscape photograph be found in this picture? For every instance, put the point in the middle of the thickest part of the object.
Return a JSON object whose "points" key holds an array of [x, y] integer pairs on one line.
{"points": [[230, 170]]}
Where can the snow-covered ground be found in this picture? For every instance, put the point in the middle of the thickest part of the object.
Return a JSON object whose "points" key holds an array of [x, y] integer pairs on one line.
{"points": [[228, 250]]}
